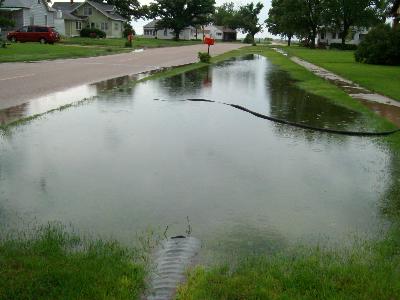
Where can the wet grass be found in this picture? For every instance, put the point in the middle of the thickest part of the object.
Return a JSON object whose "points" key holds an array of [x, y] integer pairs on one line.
{"points": [[53, 263], [368, 272], [381, 79], [318, 86], [19, 52], [138, 42]]}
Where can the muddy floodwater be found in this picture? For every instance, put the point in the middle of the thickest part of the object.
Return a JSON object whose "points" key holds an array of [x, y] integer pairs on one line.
{"points": [[126, 162]]}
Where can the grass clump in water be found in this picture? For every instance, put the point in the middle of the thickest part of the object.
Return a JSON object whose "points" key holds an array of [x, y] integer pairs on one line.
{"points": [[367, 271], [53, 263]]}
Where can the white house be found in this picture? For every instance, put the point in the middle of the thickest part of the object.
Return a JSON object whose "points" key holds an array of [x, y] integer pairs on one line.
{"points": [[328, 37], [190, 33], [150, 31], [28, 12], [72, 17]]}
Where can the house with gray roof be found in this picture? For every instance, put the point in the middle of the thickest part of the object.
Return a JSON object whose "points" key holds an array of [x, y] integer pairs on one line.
{"points": [[71, 17], [27, 12], [151, 30]]}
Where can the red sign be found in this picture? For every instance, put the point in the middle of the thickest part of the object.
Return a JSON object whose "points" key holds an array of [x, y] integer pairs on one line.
{"points": [[209, 41]]}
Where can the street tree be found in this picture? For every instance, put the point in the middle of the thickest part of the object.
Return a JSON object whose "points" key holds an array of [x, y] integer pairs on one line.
{"points": [[179, 14], [283, 18], [226, 15], [248, 20]]}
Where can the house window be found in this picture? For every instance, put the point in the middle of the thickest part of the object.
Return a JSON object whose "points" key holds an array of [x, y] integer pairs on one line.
{"points": [[165, 32], [219, 33], [38, 1], [104, 26], [78, 25], [116, 26], [87, 11], [32, 20], [45, 20], [322, 35]]}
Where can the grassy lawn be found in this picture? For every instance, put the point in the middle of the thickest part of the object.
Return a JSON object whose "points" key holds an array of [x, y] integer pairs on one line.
{"points": [[55, 264], [138, 42], [381, 79], [34, 51]]}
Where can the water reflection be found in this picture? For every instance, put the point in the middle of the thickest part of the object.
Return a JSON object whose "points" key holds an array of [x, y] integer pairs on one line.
{"points": [[126, 162]]}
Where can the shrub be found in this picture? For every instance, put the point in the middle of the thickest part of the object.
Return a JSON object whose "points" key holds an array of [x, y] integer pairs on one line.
{"points": [[381, 46], [92, 32], [248, 39], [204, 57], [340, 46]]}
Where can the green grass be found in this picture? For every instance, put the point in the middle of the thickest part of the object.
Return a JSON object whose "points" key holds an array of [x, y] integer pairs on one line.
{"points": [[17, 52], [52, 263], [370, 272], [138, 42], [381, 79]]}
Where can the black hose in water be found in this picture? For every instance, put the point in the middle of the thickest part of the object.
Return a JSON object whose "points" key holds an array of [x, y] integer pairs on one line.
{"points": [[294, 124]]}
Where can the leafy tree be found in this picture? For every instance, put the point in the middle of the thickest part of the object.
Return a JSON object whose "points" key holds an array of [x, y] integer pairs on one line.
{"points": [[179, 14], [342, 15], [248, 20], [283, 18], [226, 15], [311, 19]]}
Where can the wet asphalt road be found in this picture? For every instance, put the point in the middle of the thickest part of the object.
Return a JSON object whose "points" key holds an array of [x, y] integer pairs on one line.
{"points": [[23, 82]]}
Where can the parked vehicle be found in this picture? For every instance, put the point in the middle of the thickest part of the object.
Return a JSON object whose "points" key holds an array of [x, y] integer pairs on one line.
{"points": [[41, 34]]}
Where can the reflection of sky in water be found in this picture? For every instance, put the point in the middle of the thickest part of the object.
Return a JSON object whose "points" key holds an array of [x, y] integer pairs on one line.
{"points": [[126, 162]]}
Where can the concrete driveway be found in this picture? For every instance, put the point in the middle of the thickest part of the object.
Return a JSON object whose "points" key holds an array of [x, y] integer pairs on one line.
{"points": [[23, 82]]}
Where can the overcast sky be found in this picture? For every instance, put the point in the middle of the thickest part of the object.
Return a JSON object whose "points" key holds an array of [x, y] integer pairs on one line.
{"points": [[138, 25]]}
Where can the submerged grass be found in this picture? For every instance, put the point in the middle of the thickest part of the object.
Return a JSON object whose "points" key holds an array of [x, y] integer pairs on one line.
{"points": [[53, 263], [5, 128], [369, 272]]}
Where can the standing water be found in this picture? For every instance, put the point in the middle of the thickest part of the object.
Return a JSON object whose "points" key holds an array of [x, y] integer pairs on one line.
{"points": [[125, 162]]}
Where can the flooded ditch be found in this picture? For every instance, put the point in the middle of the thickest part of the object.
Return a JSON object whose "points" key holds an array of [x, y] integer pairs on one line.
{"points": [[125, 162]]}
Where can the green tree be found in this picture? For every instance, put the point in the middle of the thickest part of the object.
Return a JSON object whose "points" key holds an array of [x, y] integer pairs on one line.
{"points": [[226, 15], [179, 14], [248, 20], [342, 15], [283, 18]]}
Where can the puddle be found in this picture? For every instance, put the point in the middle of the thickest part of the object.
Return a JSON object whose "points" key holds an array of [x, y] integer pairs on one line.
{"points": [[125, 162], [55, 100]]}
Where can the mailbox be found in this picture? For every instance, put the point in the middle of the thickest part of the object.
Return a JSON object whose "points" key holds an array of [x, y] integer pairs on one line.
{"points": [[209, 41]]}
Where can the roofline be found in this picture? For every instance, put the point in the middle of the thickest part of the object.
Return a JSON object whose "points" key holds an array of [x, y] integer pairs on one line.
{"points": [[88, 2]]}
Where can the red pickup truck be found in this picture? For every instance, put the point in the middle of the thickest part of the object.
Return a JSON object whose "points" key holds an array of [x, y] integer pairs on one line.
{"points": [[42, 34]]}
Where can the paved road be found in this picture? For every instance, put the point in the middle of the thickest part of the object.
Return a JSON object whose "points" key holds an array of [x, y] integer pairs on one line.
{"points": [[22, 82]]}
